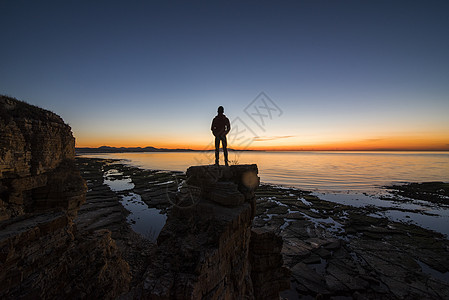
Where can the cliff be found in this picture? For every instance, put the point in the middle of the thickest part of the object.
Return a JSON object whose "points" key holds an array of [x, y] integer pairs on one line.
{"points": [[41, 253], [36, 150], [207, 249]]}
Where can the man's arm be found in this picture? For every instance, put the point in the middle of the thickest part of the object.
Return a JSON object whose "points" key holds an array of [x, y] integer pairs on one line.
{"points": [[228, 126], [212, 125]]}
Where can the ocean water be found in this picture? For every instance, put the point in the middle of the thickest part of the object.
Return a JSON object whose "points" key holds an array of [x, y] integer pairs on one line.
{"points": [[350, 178], [320, 171]]}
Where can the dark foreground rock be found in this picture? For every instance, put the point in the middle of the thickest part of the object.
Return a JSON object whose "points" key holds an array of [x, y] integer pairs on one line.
{"points": [[42, 254], [336, 250], [206, 250], [435, 192], [268, 273]]}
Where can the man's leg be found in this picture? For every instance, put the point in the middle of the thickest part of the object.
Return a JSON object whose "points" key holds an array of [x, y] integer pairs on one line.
{"points": [[217, 149], [225, 148]]}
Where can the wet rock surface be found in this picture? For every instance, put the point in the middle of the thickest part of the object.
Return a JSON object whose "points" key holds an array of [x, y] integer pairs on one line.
{"points": [[332, 250], [435, 192], [337, 250]]}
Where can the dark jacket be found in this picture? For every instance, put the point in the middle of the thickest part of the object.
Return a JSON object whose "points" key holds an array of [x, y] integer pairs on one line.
{"points": [[220, 125]]}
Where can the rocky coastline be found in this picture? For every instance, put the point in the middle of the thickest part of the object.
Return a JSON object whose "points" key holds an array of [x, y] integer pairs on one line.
{"points": [[43, 255], [332, 250]]}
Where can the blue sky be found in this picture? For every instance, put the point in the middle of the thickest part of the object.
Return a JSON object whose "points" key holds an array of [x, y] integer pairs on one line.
{"points": [[139, 73]]}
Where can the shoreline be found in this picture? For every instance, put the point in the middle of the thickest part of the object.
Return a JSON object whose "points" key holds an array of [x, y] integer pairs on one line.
{"points": [[318, 171], [322, 238]]}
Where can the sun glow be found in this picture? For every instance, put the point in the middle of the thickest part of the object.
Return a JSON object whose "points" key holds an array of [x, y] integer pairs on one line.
{"points": [[400, 143]]}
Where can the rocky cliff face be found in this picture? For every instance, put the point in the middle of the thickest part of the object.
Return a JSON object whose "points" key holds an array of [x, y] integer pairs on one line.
{"points": [[207, 249], [36, 150], [41, 254]]}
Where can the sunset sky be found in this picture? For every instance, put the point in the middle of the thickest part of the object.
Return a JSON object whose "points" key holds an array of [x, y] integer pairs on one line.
{"points": [[323, 75]]}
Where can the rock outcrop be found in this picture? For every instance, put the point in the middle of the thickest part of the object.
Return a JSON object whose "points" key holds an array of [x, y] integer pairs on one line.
{"points": [[207, 249], [36, 167], [267, 271], [41, 253]]}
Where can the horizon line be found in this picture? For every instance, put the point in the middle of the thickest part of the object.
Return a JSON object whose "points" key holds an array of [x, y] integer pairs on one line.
{"points": [[264, 150]]}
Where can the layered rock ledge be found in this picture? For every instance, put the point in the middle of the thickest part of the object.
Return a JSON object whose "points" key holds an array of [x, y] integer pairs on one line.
{"points": [[207, 249], [42, 255], [36, 161]]}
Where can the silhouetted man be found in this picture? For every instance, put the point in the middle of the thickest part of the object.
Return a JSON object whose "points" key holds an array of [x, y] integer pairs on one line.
{"points": [[220, 128]]}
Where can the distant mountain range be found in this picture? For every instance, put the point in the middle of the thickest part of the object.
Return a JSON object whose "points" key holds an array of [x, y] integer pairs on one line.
{"points": [[107, 149]]}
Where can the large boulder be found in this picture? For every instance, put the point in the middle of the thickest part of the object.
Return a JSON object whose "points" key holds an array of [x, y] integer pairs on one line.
{"points": [[204, 249]]}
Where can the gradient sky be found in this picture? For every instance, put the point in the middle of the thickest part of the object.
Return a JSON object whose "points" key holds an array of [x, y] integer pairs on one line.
{"points": [[344, 74]]}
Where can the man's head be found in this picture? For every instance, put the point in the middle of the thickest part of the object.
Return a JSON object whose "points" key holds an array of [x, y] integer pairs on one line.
{"points": [[220, 109]]}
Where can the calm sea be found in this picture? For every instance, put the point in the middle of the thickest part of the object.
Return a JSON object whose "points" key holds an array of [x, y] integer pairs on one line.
{"points": [[316, 171]]}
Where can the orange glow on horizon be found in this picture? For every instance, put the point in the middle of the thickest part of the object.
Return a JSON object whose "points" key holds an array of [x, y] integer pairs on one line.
{"points": [[385, 144]]}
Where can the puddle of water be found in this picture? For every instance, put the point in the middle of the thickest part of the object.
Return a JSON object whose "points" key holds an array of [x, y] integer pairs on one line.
{"points": [[117, 185], [345, 215], [435, 223], [334, 227], [305, 201], [144, 220], [286, 223], [161, 183], [112, 172], [432, 272], [279, 203], [269, 217]]}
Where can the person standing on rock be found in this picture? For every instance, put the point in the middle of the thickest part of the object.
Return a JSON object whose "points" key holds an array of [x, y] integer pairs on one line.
{"points": [[220, 128]]}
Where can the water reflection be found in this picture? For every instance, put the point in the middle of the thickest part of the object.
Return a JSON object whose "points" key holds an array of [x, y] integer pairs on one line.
{"points": [[117, 185], [144, 220]]}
